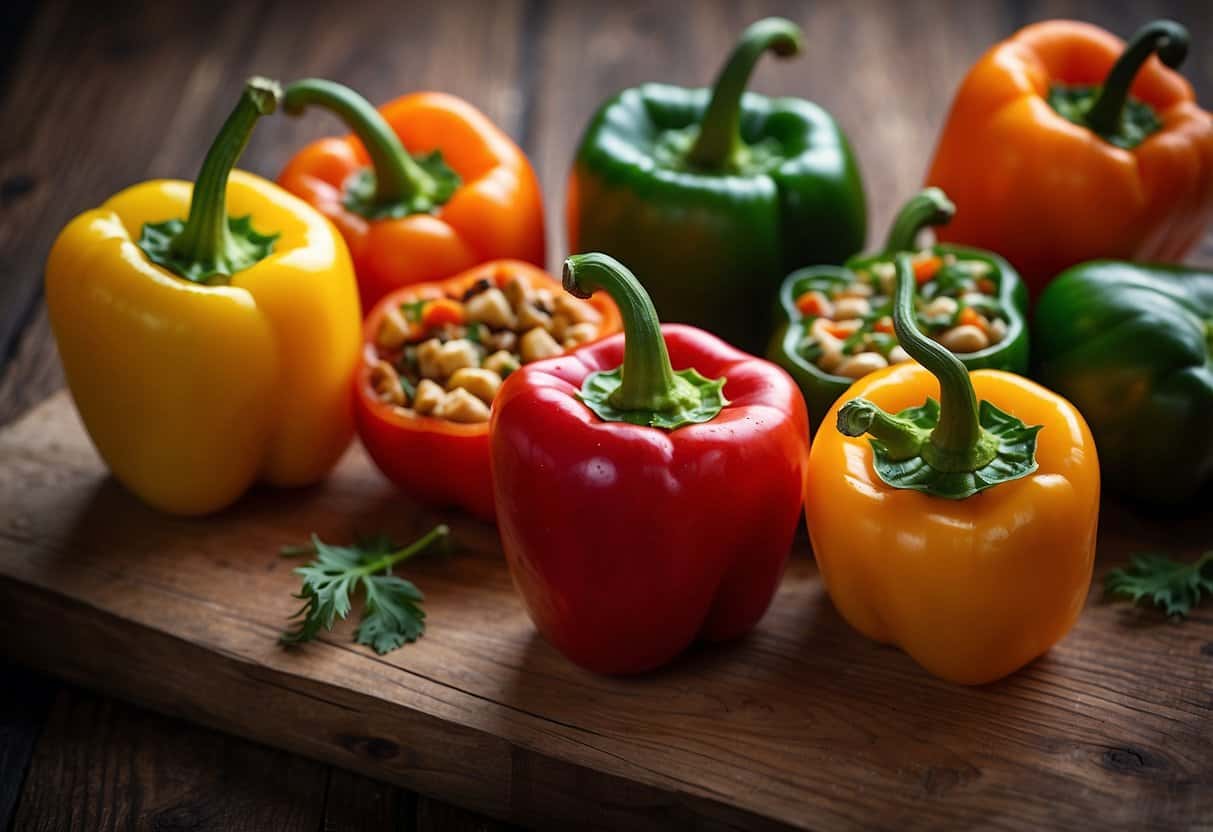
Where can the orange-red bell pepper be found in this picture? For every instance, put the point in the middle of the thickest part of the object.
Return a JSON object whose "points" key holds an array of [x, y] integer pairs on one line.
{"points": [[1064, 145], [434, 460], [424, 188]]}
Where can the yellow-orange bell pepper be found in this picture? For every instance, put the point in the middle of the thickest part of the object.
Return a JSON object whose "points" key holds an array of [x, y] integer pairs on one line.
{"points": [[958, 533], [228, 359]]}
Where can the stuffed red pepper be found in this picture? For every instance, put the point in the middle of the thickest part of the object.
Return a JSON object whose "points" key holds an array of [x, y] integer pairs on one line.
{"points": [[434, 356]]}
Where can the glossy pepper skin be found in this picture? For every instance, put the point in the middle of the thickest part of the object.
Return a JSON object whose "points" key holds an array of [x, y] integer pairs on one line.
{"points": [[971, 588], [1132, 346], [628, 542], [711, 197], [436, 461], [410, 235], [1048, 193], [193, 391], [820, 388]]}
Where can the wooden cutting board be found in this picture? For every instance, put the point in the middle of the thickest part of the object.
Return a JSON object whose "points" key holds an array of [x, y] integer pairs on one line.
{"points": [[804, 724]]}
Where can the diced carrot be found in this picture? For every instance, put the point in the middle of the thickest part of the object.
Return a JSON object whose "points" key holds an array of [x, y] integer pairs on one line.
{"points": [[972, 317], [842, 329], [926, 267], [986, 286], [885, 325], [811, 304], [442, 311]]}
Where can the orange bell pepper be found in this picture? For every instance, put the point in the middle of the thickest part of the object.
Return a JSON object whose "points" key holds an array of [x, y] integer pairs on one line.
{"points": [[1064, 145], [433, 460], [957, 532], [424, 188]]}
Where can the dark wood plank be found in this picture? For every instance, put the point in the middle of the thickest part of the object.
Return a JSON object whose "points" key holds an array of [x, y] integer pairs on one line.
{"points": [[794, 727], [24, 703], [436, 816], [357, 804], [106, 766]]}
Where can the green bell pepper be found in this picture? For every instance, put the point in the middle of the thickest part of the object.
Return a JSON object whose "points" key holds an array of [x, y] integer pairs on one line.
{"points": [[1132, 347], [711, 196], [789, 342]]}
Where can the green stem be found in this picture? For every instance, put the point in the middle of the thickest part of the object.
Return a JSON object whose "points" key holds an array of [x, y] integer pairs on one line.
{"points": [[648, 380], [206, 237], [434, 535], [719, 141], [1166, 37], [398, 177], [902, 439], [929, 207], [958, 442]]}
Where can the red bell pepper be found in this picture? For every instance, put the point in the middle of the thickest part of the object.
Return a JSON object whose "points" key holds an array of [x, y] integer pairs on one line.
{"points": [[641, 508]]}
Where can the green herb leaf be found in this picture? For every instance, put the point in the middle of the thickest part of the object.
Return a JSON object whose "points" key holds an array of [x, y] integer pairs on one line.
{"points": [[1176, 587], [392, 614], [412, 310]]}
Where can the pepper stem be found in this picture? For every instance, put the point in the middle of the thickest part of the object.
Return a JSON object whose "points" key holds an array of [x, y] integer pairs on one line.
{"points": [[648, 381], [206, 237], [958, 442], [928, 207], [1166, 37], [719, 141], [398, 176]]}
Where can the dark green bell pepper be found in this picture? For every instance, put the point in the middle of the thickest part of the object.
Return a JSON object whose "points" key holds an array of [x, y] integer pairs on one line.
{"points": [[1132, 347], [930, 207], [711, 196]]}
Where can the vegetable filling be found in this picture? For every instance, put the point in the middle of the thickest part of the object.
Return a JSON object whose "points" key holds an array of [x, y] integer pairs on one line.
{"points": [[850, 323], [445, 356]]}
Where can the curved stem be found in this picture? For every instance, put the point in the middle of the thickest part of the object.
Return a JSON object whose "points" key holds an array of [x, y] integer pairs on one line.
{"points": [[719, 139], [959, 432], [398, 177], [206, 237], [902, 439], [648, 381], [435, 535], [1166, 37], [929, 207]]}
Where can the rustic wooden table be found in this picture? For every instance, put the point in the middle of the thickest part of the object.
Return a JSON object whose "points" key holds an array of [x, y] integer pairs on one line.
{"points": [[99, 95]]}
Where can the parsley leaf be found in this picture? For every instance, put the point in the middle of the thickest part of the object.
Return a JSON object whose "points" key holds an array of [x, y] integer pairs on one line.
{"points": [[392, 614], [1176, 587]]}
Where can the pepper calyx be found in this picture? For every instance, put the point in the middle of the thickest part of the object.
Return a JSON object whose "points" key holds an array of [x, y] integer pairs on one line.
{"points": [[694, 399], [645, 389], [1108, 110], [361, 189], [953, 448], [1006, 450], [208, 247]]}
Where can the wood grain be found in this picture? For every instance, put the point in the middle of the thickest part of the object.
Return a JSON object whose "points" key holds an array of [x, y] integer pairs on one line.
{"points": [[795, 727], [104, 94]]}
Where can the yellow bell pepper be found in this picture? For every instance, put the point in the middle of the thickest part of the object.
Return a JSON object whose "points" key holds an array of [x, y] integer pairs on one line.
{"points": [[204, 355], [957, 532]]}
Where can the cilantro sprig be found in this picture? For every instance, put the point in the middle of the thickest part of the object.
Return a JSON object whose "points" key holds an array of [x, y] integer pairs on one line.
{"points": [[391, 614], [1176, 587]]}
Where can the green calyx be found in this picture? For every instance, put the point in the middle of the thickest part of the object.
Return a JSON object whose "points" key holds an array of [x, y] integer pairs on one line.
{"points": [[645, 390], [953, 448], [208, 247], [927, 208], [1108, 110], [397, 184], [717, 145]]}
